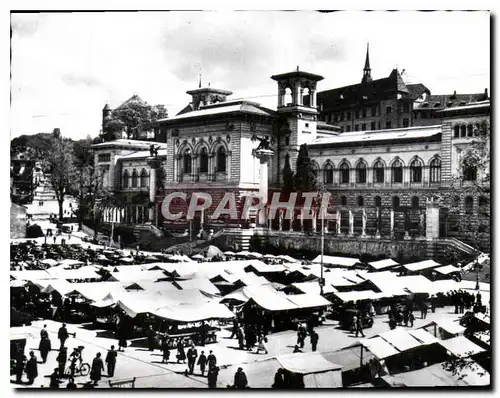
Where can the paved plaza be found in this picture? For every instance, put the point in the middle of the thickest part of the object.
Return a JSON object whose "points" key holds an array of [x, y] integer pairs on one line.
{"points": [[138, 362]]}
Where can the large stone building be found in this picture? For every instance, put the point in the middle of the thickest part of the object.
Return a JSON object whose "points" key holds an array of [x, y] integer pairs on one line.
{"points": [[381, 178]]}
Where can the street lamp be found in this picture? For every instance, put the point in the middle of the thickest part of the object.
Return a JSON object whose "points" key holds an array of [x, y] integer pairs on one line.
{"points": [[322, 281]]}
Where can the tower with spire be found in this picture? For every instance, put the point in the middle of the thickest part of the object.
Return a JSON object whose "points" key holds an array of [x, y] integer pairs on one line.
{"points": [[367, 72]]}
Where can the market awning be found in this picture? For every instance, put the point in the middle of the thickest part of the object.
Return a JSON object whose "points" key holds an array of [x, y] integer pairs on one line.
{"points": [[306, 363], [461, 347], [359, 295], [447, 325], [383, 264], [49, 261], [340, 261], [378, 347], [314, 288], [421, 265], [194, 312], [414, 283], [447, 269], [400, 339], [308, 300], [423, 336], [200, 283]]}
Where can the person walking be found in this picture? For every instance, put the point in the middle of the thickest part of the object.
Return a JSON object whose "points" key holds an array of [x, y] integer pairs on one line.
{"points": [[241, 338], [61, 360], [97, 368], [211, 359], [192, 354], [20, 364], [54, 379], [202, 361], [62, 335], [212, 375], [32, 368], [111, 361], [45, 345], [151, 334], [411, 318], [181, 355], [261, 344], [424, 310], [240, 379], [279, 380], [235, 329], [314, 340], [359, 325], [301, 335], [165, 350]]}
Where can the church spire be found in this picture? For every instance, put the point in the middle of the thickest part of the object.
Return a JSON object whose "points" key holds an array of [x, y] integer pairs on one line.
{"points": [[367, 77]]}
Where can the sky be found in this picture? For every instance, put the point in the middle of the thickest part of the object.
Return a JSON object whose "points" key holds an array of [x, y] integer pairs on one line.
{"points": [[66, 66]]}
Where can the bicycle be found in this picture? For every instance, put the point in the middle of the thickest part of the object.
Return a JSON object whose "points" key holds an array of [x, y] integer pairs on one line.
{"points": [[83, 369]]}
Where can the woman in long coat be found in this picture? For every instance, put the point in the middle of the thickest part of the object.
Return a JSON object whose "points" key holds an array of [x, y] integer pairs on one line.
{"points": [[45, 346], [97, 368], [31, 368], [181, 355]]}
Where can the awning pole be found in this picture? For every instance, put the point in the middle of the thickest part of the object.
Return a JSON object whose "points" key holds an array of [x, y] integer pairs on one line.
{"points": [[361, 357]]}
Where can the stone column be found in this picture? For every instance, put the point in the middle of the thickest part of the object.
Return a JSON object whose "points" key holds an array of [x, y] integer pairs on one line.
{"points": [[137, 210], [314, 221], [337, 223], [363, 226], [351, 223], [379, 216], [154, 164], [280, 220], [263, 155], [432, 220], [407, 225], [392, 223], [290, 226], [301, 221]]}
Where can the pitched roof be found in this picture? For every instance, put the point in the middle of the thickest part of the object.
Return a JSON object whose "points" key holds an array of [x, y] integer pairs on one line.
{"points": [[443, 101], [134, 99], [416, 90], [363, 92]]}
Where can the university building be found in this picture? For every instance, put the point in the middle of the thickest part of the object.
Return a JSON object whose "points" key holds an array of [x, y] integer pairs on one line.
{"points": [[381, 174]]}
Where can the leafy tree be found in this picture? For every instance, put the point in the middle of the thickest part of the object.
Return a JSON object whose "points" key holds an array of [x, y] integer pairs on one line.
{"points": [[305, 181], [134, 117], [59, 160], [288, 177]]}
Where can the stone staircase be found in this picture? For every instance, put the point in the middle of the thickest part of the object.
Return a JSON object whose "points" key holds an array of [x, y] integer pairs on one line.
{"points": [[46, 194], [461, 246]]}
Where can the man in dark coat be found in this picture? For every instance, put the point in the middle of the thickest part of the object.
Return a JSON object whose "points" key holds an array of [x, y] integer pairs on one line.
{"points": [[241, 338], [20, 363], [202, 361], [212, 360], [111, 361], [192, 354], [235, 328], [61, 360], [54, 379], [32, 368], [212, 375], [71, 383], [165, 351], [97, 368], [62, 335], [314, 340], [151, 338], [240, 379], [279, 381], [359, 325], [181, 355], [45, 345], [301, 335]]}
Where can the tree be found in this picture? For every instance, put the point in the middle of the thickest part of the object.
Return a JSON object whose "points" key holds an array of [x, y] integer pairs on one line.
{"points": [[59, 160], [305, 181], [134, 117], [288, 177], [90, 190]]}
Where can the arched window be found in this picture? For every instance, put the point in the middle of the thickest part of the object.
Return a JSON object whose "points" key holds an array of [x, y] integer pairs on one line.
{"points": [[306, 98], [435, 170], [470, 173], [126, 177], [469, 204], [344, 173], [395, 202], [463, 130], [415, 202], [397, 172], [144, 178], [361, 173], [378, 201], [470, 130], [221, 160], [343, 201], [134, 178], [288, 97], [378, 172], [328, 174], [416, 171], [186, 161], [203, 160], [314, 169], [361, 201], [456, 131]]}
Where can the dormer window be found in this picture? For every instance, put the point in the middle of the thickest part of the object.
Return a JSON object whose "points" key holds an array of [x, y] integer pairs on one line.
{"points": [[425, 105], [437, 105]]}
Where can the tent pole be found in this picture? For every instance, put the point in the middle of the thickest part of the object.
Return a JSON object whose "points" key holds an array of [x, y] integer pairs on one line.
{"points": [[361, 357]]}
